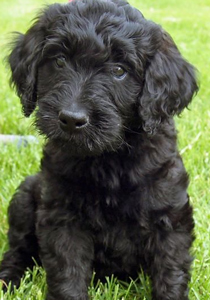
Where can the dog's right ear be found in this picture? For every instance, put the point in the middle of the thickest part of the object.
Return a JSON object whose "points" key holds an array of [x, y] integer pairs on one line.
{"points": [[23, 61]]}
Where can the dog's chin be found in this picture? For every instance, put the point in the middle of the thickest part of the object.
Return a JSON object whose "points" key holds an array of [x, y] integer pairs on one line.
{"points": [[86, 149], [84, 146]]}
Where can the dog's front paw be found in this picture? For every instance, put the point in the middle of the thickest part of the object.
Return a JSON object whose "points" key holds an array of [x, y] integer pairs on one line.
{"points": [[8, 278]]}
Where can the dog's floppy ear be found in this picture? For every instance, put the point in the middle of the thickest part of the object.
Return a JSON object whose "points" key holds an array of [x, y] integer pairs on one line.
{"points": [[169, 85], [23, 61]]}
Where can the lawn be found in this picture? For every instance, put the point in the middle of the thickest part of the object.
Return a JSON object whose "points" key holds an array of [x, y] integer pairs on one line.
{"points": [[189, 24]]}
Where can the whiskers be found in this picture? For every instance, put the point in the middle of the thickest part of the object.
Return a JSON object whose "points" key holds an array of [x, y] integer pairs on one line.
{"points": [[94, 138]]}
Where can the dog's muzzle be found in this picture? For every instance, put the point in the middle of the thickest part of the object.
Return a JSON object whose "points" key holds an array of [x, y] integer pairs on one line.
{"points": [[71, 122]]}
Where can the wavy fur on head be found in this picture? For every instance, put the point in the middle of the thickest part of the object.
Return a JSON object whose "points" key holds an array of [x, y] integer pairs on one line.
{"points": [[111, 194]]}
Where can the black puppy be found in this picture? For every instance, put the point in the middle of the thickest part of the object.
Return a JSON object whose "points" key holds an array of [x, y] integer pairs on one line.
{"points": [[111, 195]]}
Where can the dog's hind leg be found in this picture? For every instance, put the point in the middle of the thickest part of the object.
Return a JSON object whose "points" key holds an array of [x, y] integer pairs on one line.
{"points": [[23, 246]]}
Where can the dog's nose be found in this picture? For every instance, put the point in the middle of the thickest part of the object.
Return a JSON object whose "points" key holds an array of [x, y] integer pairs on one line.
{"points": [[72, 121]]}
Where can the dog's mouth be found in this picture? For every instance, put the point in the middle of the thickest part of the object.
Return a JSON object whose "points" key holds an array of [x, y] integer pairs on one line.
{"points": [[87, 142], [81, 135]]}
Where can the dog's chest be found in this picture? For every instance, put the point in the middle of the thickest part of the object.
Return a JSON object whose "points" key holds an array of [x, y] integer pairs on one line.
{"points": [[109, 199], [98, 191], [115, 218]]}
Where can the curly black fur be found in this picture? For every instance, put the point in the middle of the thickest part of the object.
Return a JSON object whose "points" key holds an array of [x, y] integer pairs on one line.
{"points": [[111, 195]]}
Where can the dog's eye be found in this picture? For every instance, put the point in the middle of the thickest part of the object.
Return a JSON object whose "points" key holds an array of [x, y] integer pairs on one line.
{"points": [[61, 61], [118, 72]]}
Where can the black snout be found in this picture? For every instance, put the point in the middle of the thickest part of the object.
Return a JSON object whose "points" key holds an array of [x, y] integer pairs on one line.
{"points": [[72, 121]]}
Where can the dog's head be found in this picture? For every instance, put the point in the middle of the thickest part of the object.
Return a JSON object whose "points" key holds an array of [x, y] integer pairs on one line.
{"points": [[96, 68]]}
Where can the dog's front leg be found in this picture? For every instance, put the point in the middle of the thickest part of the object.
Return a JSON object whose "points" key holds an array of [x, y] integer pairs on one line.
{"points": [[66, 254], [170, 262]]}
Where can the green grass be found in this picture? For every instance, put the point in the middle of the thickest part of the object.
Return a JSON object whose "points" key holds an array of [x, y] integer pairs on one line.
{"points": [[188, 22]]}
